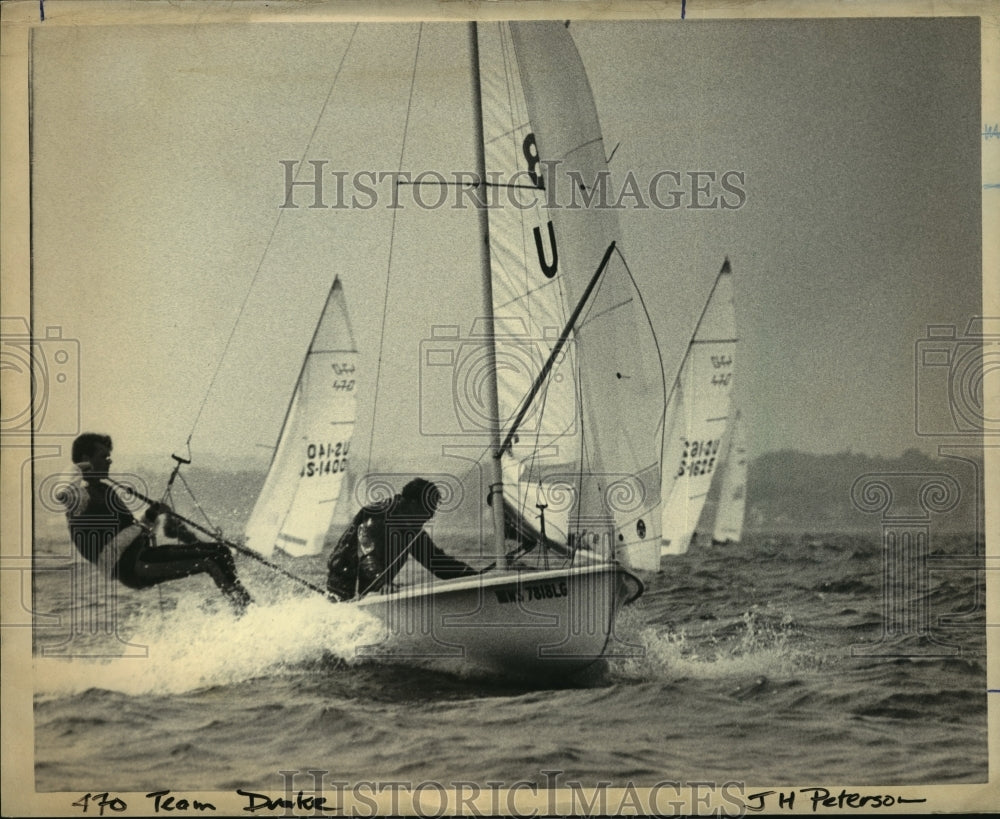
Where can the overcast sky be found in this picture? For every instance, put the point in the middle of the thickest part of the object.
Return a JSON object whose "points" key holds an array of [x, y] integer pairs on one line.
{"points": [[157, 181]]}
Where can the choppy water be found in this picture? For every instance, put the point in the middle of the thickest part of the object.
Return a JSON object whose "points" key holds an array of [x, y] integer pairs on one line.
{"points": [[746, 673]]}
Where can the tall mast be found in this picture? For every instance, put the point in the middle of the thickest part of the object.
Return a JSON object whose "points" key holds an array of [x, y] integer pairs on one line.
{"points": [[496, 473]]}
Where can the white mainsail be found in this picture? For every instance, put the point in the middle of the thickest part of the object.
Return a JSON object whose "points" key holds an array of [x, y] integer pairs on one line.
{"points": [[595, 438], [698, 417], [529, 299], [732, 494], [299, 497]]}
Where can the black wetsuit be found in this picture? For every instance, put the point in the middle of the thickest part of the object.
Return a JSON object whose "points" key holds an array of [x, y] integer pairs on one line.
{"points": [[374, 547], [96, 514]]}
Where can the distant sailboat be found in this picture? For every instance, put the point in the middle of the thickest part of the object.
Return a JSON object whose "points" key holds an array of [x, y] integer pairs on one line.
{"points": [[304, 482], [731, 510], [698, 416]]}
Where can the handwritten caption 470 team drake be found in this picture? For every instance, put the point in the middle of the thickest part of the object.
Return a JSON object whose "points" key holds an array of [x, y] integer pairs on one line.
{"points": [[585, 801]]}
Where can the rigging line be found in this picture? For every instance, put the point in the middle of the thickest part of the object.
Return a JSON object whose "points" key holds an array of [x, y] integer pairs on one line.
{"points": [[510, 132], [444, 183], [392, 244], [198, 506], [581, 146], [588, 318], [228, 543], [536, 457], [404, 553], [518, 119], [270, 241], [531, 291]]}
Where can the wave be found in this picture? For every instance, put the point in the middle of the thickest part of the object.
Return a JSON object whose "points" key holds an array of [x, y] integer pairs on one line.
{"points": [[940, 704], [755, 644], [193, 648]]}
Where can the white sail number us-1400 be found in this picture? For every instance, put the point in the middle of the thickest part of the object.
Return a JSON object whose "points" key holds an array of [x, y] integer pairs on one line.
{"points": [[325, 459]]}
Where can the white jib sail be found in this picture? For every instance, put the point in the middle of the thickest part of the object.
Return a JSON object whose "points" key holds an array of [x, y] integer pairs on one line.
{"points": [[698, 417], [300, 494], [732, 494]]}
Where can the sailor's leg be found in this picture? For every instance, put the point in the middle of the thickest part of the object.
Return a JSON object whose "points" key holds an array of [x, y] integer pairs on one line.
{"points": [[153, 565]]}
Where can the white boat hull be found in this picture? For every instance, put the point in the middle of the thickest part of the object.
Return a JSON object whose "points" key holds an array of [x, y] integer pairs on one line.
{"points": [[521, 623]]}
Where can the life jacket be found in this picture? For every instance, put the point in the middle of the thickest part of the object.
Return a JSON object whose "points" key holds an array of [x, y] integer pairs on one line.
{"points": [[100, 524]]}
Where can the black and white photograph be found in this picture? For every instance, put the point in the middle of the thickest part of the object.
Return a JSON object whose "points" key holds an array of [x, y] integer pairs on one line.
{"points": [[529, 409]]}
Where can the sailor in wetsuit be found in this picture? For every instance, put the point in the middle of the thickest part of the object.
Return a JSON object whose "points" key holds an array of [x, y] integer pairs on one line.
{"points": [[106, 534], [374, 547]]}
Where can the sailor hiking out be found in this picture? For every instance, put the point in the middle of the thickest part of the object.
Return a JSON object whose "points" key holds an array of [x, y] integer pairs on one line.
{"points": [[106, 533], [375, 545]]}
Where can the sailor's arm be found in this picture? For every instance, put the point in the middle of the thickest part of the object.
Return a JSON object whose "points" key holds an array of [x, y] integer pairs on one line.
{"points": [[440, 563]]}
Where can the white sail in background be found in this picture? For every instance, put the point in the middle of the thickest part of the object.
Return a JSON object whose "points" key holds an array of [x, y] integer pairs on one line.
{"points": [[732, 494], [698, 417], [300, 494], [596, 434]]}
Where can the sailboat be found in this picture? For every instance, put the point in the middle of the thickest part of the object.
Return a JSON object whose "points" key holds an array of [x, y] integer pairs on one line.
{"points": [[306, 476], [545, 439], [698, 418], [731, 510]]}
